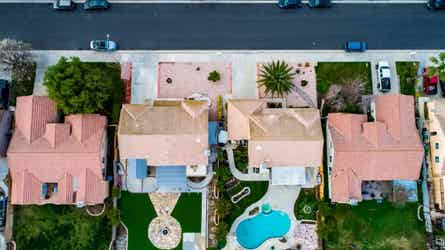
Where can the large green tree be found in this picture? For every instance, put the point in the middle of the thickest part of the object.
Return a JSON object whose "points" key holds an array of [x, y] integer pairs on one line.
{"points": [[79, 87], [438, 67], [277, 79]]}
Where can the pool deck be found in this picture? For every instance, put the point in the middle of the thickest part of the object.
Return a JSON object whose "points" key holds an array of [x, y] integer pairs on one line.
{"points": [[280, 198]]}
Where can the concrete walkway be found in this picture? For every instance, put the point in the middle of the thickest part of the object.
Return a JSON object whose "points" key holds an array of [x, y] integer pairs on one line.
{"points": [[280, 198], [238, 174]]}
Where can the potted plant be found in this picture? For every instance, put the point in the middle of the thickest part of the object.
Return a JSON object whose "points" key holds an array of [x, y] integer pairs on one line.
{"points": [[304, 83], [214, 76]]}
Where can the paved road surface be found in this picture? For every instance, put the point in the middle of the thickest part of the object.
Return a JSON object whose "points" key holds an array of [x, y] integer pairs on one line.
{"points": [[227, 26]]}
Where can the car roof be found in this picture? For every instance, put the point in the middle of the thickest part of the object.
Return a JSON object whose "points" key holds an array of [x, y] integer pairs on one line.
{"points": [[354, 44]]}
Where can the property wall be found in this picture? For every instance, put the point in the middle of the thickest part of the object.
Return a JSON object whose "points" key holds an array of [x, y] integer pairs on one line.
{"points": [[330, 158], [104, 151]]}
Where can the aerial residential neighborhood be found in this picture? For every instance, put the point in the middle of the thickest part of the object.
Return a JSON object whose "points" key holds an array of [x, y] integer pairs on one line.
{"points": [[222, 124]]}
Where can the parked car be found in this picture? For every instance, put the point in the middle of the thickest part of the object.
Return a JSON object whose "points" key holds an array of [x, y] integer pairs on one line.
{"points": [[103, 45], [287, 4], [383, 76], [429, 83], [319, 3], [96, 5], [64, 5], [435, 4], [355, 46]]}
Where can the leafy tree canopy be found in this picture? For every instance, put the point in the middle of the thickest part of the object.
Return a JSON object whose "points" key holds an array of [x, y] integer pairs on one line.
{"points": [[438, 67], [84, 88]]}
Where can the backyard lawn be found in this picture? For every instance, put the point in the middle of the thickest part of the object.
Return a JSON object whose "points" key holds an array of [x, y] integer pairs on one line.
{"points": [[257, 190], [306, 205], [371, 226], [343, 84], [55, 227], [137, 212], [407, 72]]}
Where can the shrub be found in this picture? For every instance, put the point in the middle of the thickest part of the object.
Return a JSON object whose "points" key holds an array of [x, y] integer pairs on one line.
{"points": [[222, 229], [277, 79], [219, 114], [214, 76], [114, 216], [23, 77], [323, 87], [115, 192]]}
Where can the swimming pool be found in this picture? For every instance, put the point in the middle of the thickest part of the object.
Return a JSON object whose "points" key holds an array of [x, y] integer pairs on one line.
{"points": [[252, 232]]}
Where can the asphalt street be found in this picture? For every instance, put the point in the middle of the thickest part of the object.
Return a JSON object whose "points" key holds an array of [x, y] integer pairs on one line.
{"points": [[226, 26]]}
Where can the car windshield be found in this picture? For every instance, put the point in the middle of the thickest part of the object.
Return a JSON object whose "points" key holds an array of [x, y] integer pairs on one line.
{"points": [[99, 44], [386, 83]]}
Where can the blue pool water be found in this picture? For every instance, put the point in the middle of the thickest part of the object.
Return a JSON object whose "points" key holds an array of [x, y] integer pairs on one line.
{"points": [[252, 232]]}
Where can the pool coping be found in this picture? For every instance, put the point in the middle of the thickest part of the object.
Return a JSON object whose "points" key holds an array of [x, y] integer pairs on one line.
{"points": [[245, 215]]}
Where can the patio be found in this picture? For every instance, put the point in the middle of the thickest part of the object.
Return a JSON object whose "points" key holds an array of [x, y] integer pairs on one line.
{"points": [[304, 79], [182, 80]]}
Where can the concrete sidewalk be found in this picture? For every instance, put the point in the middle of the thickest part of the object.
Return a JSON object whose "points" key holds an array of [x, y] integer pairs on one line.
{"points": [[244, 72]]}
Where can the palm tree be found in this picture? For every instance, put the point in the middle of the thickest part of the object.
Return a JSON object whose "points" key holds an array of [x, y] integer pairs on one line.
{"points": [[438, 67], [277, 79]]}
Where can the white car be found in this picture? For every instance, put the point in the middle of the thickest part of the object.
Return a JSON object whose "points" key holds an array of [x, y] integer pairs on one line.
{"points": [[383, 76]]}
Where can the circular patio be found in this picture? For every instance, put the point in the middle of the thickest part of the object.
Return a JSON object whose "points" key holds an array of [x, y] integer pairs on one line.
{"points": [[164, 232]]}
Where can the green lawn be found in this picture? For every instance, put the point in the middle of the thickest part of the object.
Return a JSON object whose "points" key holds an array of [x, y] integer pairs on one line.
{"points": [[188, 212], [307, 199], [257, 190], [407, 72], [137, 212], [371, 226], [55, 227], [343, 73]]}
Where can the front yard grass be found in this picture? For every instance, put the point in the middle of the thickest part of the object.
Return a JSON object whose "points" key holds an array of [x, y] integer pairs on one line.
{"points": [[306, 206], [55, 227], [371, 226], [137, 211], [407, 72], [343, 74]]}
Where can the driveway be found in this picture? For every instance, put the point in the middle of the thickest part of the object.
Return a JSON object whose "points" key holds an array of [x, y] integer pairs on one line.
{"points": [[395, 83]]}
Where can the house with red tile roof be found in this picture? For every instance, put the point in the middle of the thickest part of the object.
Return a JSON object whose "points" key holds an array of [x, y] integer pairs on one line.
{"points": [[162, 143], [359, 150], [53, 162], [435, 123], [288, 142]]}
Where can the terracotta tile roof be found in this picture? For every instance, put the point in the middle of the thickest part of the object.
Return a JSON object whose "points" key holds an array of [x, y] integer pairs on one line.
{"points": [[270, 131], [59, 153], [386, 149], [165, 132]]}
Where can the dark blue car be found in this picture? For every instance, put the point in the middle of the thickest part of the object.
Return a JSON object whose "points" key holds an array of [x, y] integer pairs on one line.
{"points": [[286, 4], [355, 46], [435, 4]]}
